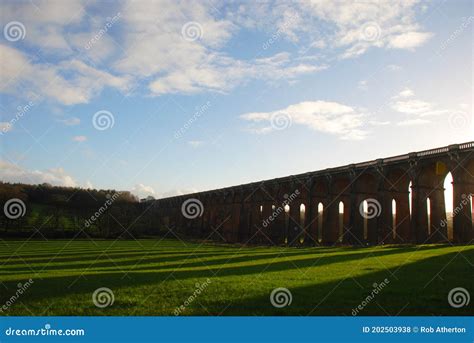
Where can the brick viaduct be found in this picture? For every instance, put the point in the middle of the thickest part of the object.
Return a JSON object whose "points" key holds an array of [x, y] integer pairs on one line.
{"points": [[359, 204]]}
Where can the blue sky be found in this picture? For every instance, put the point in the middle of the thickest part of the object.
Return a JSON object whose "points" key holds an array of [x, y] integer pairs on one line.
{"points": [[216, 94]]}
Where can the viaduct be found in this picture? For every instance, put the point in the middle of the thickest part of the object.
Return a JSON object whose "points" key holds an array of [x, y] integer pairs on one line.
{"points": [[395, 200]]}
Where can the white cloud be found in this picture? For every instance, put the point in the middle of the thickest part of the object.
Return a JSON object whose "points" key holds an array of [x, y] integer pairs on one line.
{"points": [[82, 83], [148, 46], [10, 172], [413, 122], [70, 121], [406, 93], [362, 85], [409, 40], [394, 67], [416, 110], [322, 116], [143, 191], [195, 144], [5, 127], [79, 138]]}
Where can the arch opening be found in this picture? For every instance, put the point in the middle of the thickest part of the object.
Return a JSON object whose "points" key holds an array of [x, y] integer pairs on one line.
{"points": [[428, 214], [365, 206], [448, 203], [320, 221], [394, 218], [287, 221], [341, 221], [302, 221]]}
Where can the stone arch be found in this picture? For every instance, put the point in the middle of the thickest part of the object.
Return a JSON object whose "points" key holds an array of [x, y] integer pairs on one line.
{"points": [[366, 189]]}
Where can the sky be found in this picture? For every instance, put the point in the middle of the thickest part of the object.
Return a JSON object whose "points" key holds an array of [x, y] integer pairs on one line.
{"points": [[171, 97]]}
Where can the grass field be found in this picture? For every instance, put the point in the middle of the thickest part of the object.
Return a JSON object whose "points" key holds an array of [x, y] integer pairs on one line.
{"points": [[154, 277]]}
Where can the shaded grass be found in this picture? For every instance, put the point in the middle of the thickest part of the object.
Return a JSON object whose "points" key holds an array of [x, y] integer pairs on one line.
{"points": [[154, 277]]}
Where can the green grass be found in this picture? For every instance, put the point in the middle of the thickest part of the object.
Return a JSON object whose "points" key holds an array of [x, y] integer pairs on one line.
{"points": [[153, 277]]}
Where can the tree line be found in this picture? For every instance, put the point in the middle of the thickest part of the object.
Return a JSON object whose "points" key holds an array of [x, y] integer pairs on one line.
{"points": [[58, 212]]}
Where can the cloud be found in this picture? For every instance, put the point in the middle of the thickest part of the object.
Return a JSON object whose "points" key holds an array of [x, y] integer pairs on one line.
{"points": [[10, 172], [47, 81], [413, 122], [195, 144], [328, 117], [170, 47], [79, 138], [409, 40], [70, 121], [406, 93], [415, 109], [394, 67], [5, 127], [362, 85], [143, 191]]}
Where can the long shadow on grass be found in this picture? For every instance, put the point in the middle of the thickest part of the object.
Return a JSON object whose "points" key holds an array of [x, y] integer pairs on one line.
{"points": [[418, 288], [57, 286], [128, 259]]}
